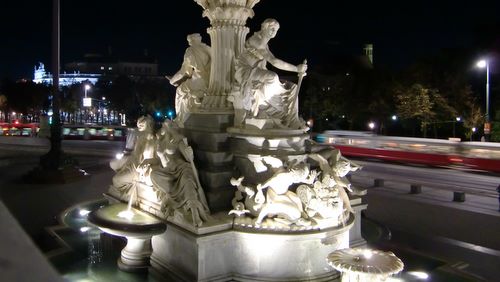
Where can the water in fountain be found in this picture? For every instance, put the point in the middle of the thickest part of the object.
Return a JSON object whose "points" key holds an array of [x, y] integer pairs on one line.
{"points": [[128, 213], [94, 253]]}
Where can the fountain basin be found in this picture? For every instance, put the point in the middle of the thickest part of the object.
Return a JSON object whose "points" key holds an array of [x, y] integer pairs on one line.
{"points": [[137, 229], [362, 264]]}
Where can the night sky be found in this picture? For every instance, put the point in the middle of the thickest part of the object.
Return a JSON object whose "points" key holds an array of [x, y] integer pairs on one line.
{"points": [[312, 29]]}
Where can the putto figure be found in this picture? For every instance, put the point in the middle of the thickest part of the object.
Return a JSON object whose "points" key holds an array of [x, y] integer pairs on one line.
{"points": [[192, 78], [262, 95], [280, 200]]}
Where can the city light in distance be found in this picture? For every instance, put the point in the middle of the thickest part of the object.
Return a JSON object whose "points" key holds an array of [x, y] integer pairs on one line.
{"points": [[481, 64]]}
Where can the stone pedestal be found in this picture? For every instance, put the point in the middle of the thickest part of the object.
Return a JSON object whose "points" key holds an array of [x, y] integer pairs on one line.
{"points": [[220, 250], [137, 229], [355, 238], [247, 255], [135, 256], [206, 133]]}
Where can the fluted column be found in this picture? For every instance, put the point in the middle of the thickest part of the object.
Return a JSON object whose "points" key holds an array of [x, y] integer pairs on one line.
{"points": [[227, 34]]}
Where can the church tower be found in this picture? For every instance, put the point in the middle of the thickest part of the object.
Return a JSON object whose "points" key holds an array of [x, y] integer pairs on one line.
{"points": [[369, 52]]}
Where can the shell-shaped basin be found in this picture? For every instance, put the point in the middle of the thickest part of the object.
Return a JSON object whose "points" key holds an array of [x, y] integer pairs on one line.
{"points": [[141, 224]]}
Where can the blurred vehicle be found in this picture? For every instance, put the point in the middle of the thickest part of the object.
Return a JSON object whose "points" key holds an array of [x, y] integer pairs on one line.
{"points": [[19, 129], [94, 132], [434, 152], [70, 132]]}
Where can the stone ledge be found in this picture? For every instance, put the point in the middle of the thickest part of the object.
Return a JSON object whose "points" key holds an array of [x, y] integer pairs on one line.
{"points": [[233, 255], [208, 122], [215, 179], [219, 158], [212, 142]]}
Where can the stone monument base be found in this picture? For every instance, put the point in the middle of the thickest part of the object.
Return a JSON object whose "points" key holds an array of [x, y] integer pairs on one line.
{"points": [[247, 255], [223, 251]]}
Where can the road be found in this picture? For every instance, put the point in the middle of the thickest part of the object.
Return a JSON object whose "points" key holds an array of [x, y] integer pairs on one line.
{"points": [[90, 155], [10, 146], [473, 181], [433, 222]]}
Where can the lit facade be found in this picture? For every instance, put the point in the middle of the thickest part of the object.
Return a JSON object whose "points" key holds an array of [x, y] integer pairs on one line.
{"points": [[65, 79], [94, 67]]}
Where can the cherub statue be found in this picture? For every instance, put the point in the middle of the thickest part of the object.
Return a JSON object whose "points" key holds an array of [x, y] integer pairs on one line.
{"points": [[321, 200], [246, 199], [334, 169], [279, 200]]}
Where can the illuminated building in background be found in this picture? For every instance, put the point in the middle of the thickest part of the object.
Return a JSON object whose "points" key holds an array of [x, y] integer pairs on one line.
{"points": [[95, 66], [65, 79], [90, 69]]}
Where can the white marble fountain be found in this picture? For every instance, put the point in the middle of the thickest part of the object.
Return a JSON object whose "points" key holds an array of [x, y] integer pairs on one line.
{"points": [[244, 192]]}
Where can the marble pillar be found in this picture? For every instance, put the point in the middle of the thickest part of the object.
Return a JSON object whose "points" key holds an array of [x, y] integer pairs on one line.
{"points": [[227, 34]]}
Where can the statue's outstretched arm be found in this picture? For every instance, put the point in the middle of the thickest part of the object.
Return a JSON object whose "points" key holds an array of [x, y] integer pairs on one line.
{"points": [[184, 73], [280, 64]]}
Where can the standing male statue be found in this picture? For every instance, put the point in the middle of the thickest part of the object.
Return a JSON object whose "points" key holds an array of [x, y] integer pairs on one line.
{"points": [[192, 78]]}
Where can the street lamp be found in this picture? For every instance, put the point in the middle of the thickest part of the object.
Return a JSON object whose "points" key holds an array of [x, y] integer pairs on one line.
{"points": [[458, 119], [87, 88], [371, 125], [87, 102], [485, 64], [104, 112]]}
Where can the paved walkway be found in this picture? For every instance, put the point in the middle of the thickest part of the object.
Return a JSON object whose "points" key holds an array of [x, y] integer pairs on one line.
{"points": [[466, 234], [31, 207]]}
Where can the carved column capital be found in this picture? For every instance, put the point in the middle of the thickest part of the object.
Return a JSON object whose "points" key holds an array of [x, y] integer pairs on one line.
{"points": [[227, 12]]}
